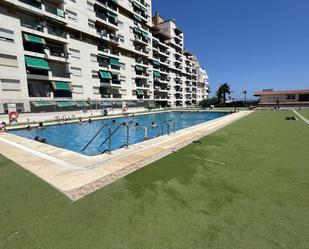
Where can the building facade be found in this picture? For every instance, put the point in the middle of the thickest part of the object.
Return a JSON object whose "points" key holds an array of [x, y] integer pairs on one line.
{"points": [[76, 52], [290, 98]]}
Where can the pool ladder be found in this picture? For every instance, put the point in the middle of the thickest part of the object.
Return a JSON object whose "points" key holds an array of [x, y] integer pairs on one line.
{"points": [[168, 124]]}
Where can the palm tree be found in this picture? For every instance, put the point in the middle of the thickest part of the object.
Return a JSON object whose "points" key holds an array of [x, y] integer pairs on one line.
{"points": [[245, 95], [222, 91]]}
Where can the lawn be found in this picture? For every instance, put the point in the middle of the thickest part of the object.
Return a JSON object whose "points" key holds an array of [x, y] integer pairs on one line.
{"points": [[244, 187], [304, 112]]}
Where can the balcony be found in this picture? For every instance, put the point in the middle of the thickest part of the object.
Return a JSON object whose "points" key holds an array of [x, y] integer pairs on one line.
{"points": [[104, 34], [56, 32], [105, 49], [140, 10], [141, 50], [107, 4], [32, 24], [54, 10], [142, 83], [33, 3], [108, 19]]}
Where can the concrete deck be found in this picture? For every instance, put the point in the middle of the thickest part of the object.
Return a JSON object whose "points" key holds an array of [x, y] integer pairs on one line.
{"points": [[77, 175]]}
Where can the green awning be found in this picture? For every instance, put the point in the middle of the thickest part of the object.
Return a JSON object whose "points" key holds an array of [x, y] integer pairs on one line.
{"points": [[34, 39], [144, 9], [140, 92], [41, 103], [36, 63], [60, 12], [137, 31], [65, 103], [157, 63], [138, 68], [62, 86], [112, 15], [136, 5], [145, 34], [114, 62], [156, 74], [81, 103], [137, 18], [105, 75]]}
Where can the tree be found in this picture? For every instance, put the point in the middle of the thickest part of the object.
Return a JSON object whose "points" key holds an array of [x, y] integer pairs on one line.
{"points": [[245, 95], [208, 102], [223, 90]]}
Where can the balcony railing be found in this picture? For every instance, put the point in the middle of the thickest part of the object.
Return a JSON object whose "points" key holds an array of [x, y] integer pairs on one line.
{"points": [[56, 32], [106, 35], [54, 10], [54, 51], [32, 25]]}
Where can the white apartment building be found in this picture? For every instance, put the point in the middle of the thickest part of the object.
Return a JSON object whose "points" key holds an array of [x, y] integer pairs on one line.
{"points": [[76, 53]]}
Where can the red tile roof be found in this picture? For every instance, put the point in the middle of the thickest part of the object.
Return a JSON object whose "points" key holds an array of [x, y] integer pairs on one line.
{"points": [[257, 94]]}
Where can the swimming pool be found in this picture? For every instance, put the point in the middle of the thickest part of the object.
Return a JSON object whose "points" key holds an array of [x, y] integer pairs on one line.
{"points": [[75, 137]]}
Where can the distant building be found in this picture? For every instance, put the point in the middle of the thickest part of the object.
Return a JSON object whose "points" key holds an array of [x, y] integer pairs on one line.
{"points": [[290, 98]]}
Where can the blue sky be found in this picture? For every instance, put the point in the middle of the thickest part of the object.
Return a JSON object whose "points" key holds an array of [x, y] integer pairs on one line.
{"points": [[251, 44]]}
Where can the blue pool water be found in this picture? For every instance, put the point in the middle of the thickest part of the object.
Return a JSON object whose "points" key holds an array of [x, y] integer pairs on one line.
{"points": [[75, 137]]}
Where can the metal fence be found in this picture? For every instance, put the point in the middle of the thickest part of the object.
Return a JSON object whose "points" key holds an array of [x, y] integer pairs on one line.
{"points": [[67, 105]]}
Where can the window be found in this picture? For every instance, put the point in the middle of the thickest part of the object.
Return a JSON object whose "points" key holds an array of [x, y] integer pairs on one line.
{"points": [[78, 89], [8, 60], [96, 90], [91, 24], [74, 53], [121, 25], [90, 6], [122, 66], [10, 85], [121, 38], [71, 15], [95, 74], [93, 57], [290, 96], [76, 71], [6, 35]]}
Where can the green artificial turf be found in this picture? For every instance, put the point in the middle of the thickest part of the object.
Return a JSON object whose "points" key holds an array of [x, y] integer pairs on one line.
{"points": [[304, 112], [244, 187]]}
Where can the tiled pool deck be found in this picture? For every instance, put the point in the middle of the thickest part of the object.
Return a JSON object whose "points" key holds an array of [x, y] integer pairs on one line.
{"points": [[77, 175]]}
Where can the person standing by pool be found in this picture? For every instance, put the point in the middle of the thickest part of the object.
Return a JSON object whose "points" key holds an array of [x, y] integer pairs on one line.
{"points": [[125, 110], [29, 128]]}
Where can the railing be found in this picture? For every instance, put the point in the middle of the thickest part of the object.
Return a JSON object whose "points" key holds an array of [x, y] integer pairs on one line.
{"points": [[168, 126], [32, 25], [56, 32]]}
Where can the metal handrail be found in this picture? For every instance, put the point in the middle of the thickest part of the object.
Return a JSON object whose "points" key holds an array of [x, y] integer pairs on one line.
{"points": [[111, 134], [168, 126], [109, 138], [97, 134]]}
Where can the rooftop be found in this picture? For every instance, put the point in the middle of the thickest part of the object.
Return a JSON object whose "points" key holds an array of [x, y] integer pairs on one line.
{"points": [[272, 92]]}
